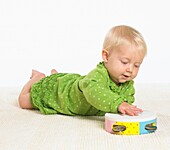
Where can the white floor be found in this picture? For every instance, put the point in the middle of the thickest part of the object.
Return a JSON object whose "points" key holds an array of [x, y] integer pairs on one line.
{"points": [[29, 130]]}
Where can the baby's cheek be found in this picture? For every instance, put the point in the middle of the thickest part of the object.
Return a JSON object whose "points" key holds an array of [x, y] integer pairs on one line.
{"points": [[135, 73]]}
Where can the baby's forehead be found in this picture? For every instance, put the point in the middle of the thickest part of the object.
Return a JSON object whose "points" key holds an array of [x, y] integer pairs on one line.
{"points": [[129, 52]]}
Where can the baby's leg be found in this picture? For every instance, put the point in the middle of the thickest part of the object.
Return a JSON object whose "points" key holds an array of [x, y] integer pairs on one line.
{"points": [[24, 97]]}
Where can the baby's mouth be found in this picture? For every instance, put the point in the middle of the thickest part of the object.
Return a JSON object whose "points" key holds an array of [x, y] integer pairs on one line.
{"points": [[126, 76]]}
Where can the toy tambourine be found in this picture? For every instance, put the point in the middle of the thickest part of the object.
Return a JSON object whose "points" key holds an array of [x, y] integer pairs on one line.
{"points": [[145, 122]]}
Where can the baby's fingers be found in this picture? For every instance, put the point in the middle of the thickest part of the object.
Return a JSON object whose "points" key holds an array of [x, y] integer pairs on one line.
{"points": [[133, 111], [135, 108], [130, 112]]}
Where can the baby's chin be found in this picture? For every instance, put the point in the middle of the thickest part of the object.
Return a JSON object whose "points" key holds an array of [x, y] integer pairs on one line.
{"points": [[123, 80], [120, 80]]}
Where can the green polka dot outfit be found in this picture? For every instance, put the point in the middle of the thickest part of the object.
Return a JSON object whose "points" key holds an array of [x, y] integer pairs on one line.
{"points": [[73, 94]]}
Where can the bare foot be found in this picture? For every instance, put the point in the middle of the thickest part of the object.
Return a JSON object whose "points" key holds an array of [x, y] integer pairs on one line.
{"points": [[53, 71], [38, 74]]}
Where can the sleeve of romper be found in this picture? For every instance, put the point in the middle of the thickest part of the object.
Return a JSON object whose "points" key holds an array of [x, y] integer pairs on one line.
{"points": [[128, 92], [97, 92]]}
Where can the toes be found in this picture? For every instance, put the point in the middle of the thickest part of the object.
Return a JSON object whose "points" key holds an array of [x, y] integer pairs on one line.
{"points": [[53, 71]]}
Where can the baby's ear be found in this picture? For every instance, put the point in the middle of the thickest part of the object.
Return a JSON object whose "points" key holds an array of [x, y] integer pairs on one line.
{"points": [[105, 55]]}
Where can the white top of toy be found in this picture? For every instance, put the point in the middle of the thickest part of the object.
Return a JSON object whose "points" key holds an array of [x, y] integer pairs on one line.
{"points": [[143, 116]]}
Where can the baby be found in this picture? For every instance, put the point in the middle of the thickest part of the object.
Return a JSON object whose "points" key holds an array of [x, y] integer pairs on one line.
{"points": [[107, 88]]}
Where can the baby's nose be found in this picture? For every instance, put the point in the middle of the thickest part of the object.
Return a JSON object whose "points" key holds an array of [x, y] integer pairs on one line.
{"points": [[130, 68]]}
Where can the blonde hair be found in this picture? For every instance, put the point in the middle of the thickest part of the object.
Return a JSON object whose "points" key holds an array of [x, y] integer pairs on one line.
{"points": [[120, 35]]}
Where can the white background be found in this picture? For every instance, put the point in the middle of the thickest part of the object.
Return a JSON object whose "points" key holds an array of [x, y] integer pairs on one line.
{"points": [[68, 35]]}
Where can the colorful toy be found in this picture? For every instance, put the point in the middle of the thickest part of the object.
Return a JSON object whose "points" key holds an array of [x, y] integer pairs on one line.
{"points": [[145, 122]]}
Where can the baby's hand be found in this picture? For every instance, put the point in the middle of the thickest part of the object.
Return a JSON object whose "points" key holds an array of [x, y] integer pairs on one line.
{"points": [[127, 109]]}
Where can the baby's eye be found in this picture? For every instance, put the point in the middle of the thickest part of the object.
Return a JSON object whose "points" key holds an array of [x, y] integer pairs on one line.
{"points": [[124, 62], [137, 66]]}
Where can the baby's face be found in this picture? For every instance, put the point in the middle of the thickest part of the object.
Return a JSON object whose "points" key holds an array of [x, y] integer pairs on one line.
{"points": [[123, 63]]}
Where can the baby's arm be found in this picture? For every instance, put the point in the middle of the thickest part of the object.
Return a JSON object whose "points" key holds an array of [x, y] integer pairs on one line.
{"points": [[99, 95], [127, 109], [98, 92]]}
